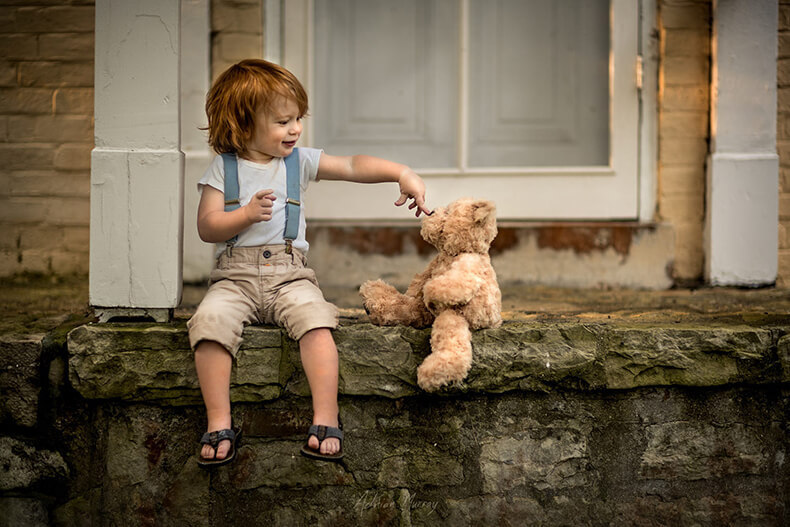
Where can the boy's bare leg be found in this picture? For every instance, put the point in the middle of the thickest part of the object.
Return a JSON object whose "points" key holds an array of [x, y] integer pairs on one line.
{"points": [[320, 363], [213, 364]]}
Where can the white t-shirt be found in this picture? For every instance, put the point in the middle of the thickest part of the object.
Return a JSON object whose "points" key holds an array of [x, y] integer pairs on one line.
{"points": [[254, 177]]}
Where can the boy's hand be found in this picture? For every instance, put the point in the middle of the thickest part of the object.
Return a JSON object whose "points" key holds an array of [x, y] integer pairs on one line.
{"points": [[412, 187], [260, 206]]}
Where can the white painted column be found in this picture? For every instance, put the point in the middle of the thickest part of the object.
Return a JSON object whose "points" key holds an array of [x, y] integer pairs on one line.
{"points": [[742, 191], [195, 83], [137, 165]]}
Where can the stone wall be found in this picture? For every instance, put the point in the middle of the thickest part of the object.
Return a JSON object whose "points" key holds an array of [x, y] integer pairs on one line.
{"points": [[684, 113], [783, 142], [559, 422], [46, 135], [236, 32]]}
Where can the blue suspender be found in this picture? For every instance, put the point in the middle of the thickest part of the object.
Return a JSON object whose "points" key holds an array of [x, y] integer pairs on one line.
{"points": [[292, 203], [231, 188]]}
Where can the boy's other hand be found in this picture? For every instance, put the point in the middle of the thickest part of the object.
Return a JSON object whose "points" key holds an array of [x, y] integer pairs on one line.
{"points": [[260, 206], [412, 187]]}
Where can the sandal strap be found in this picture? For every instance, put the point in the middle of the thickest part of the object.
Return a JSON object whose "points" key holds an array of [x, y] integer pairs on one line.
{"points": [[323, 431], [214, 438]]}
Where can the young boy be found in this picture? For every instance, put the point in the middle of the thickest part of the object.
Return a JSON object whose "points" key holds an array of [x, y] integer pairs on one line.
{"points": [[255, 110]]}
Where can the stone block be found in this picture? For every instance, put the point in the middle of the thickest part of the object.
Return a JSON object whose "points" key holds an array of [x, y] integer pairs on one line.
{"points": [[688, 98], [77, 101], [151, 474], [380, 361], [413, 468], [50, 129], [8, 74], [783, 45], [56, 74], [69, 262], [70, 211], [154, 362], [26, 101], [47, 183], [20, 379], [683, 208], [684, 71], [20, 156], [784, 206], [688, 151], [682, 179], [233, 47], [66, 18], [553, 458], [278, 464], [30, 512], [25, 467], [241, 18], [682, 124], [686, 15], [491, 510], [18, 46], [690, 356], [527, 357], [784, 176], [686, 42], [66, 46], [723, 509], [783, 350], [783, 100], [40, 237], [694, 451]]}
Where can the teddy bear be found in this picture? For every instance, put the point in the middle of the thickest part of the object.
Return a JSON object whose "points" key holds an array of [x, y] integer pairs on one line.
{"points": [[456, 293]]}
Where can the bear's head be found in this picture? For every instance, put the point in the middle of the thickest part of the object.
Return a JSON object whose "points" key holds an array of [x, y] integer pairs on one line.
{"points": [[464, 226]]}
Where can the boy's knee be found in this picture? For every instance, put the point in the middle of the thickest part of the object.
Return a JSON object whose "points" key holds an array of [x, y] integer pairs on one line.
{"points": [[212, 326]]}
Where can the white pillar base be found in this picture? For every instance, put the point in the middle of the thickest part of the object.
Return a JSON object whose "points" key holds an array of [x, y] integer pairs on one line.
{"points": [[742, 228], [136, 226]]}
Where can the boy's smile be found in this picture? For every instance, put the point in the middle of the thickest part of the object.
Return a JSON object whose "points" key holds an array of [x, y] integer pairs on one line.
{"points": [[277, 129]]}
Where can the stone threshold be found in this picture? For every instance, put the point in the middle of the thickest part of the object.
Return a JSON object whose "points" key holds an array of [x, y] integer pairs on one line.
{"points": [[152, 363]]}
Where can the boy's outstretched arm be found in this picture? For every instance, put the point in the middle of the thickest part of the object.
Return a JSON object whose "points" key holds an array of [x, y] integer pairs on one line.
{"points": [[368, 169], [216, 225]]}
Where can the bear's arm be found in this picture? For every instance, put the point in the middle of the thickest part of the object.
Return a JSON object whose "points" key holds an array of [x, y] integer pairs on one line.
{"points": [[458, 285]]}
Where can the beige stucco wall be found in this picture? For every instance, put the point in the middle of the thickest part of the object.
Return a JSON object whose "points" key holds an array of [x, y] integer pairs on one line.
{"points": [[46, 128], [46, 135]]}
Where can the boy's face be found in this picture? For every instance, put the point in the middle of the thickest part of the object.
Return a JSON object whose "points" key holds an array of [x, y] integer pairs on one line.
{"points": [[277, 129]]}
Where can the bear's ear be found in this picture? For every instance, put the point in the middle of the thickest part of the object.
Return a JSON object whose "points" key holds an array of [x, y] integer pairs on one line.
{"points": [[483, 210]]}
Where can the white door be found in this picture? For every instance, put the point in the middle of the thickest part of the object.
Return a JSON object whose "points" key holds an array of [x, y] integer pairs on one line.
{"points": [[530, 103]]}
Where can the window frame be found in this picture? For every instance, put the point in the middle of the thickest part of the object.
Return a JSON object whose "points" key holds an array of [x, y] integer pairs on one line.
{"points": [[627, 184]]}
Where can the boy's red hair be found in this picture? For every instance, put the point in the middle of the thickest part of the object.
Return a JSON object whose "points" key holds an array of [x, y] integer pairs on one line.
{"points": [[238, 93]]}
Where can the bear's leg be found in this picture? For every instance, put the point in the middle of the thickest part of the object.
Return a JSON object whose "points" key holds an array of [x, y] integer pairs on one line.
{"points": [[451, 352], [388, 307]]}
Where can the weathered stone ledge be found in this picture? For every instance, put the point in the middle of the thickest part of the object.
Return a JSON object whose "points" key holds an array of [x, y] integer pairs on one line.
{"points": [[153, 363]]}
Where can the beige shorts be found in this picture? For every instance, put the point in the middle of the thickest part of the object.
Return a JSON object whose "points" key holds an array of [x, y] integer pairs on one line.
{"points": [[260, 285]]}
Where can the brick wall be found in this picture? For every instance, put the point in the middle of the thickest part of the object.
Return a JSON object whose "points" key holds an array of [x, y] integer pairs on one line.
{"points": [[237, 32], [684, 107], [783, 142], [46, 135]]}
